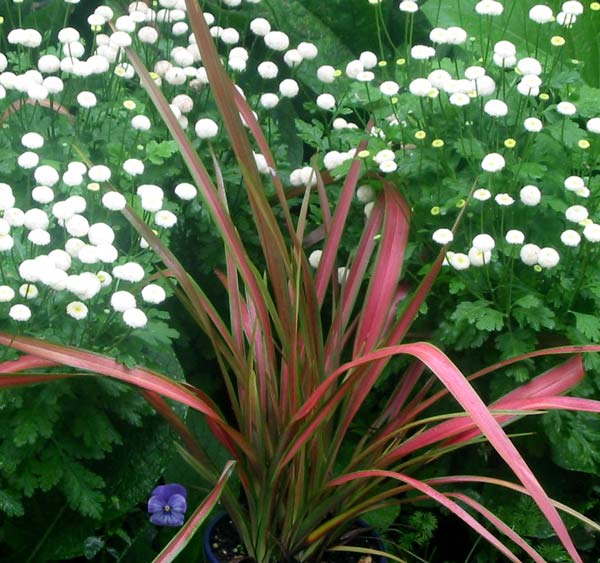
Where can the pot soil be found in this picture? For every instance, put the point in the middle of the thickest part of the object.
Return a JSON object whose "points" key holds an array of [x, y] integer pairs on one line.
{"points": [[222, 544]]}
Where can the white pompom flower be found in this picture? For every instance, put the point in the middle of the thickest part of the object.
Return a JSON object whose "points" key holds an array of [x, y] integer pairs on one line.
{"points": [[493, 162]]}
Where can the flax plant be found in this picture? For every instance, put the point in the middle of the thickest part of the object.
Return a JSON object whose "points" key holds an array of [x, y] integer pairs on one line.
{"points": [[300, 354]]}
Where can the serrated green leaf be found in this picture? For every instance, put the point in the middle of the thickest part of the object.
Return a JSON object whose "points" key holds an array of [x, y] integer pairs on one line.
{"points": [[10, 504], [480, 314], [588, 325], [157, 153]]}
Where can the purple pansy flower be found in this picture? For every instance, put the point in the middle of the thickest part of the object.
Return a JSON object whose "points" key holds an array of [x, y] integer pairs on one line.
{"points": [[168, 505]]}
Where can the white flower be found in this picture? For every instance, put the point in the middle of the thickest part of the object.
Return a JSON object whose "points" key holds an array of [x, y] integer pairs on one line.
{"points": [[515, 236], [572, 7], [106, 253], [53, 84], [504, 61], [458, 260], [150, 191], [495, 108], [77, 167], [529, 254], [574, 183], [455, 35], [342, 274], [148, 35], [326, 74], [114, 201], [354, 68], [529, 85], [120, 39], [309, 51], [185, 191], [438, 78], [77, 310], [175, 76], [206, 128], [389, 88], [365, 193], [153, 293], [570, 238], [478, 257], [489, 8], [122, 301], [541, 14], [99, 173], [32, 141], [183, 102], [566, 108], [420, 87], [326, 102], [533, 124], [459, 99], [530, 195], [548, 257], [28, 160], [383, 155], [443, 236], [100, 233], [529, 65], [277, 40], [6, 243], [39, 237], [46, 175], [484, 242], [42, 194], [493, 162], [485, 85], [315, 258], [14, 216], [6, 294], [408, 6], [35, 219], [576, 213], [388, 166], [77, 225], [292, 58], [260, 26], [592, 232], [73, 246], [135, 318], [20, 313], [60, 259], [28, 291], [438, 35], [269, 100], [365, 76], [133, 166], [165, 219], [72, 178], [504, 199], [104, 278], [131, 272], [422, 52], [268, 70], [288, 88], [593, 125], [68, 35], [141, 123]]}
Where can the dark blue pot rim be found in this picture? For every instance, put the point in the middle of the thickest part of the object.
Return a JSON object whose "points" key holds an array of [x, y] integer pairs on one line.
{"points": [[212, 558]]}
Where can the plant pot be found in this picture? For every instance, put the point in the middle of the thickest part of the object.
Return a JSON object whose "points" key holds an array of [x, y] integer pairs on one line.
{"points": [[226, 547]]}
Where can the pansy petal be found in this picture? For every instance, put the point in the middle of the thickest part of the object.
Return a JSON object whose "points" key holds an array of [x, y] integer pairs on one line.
{"points": [[166, 519], [165, 491], [155, 504], [177, 503]]}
